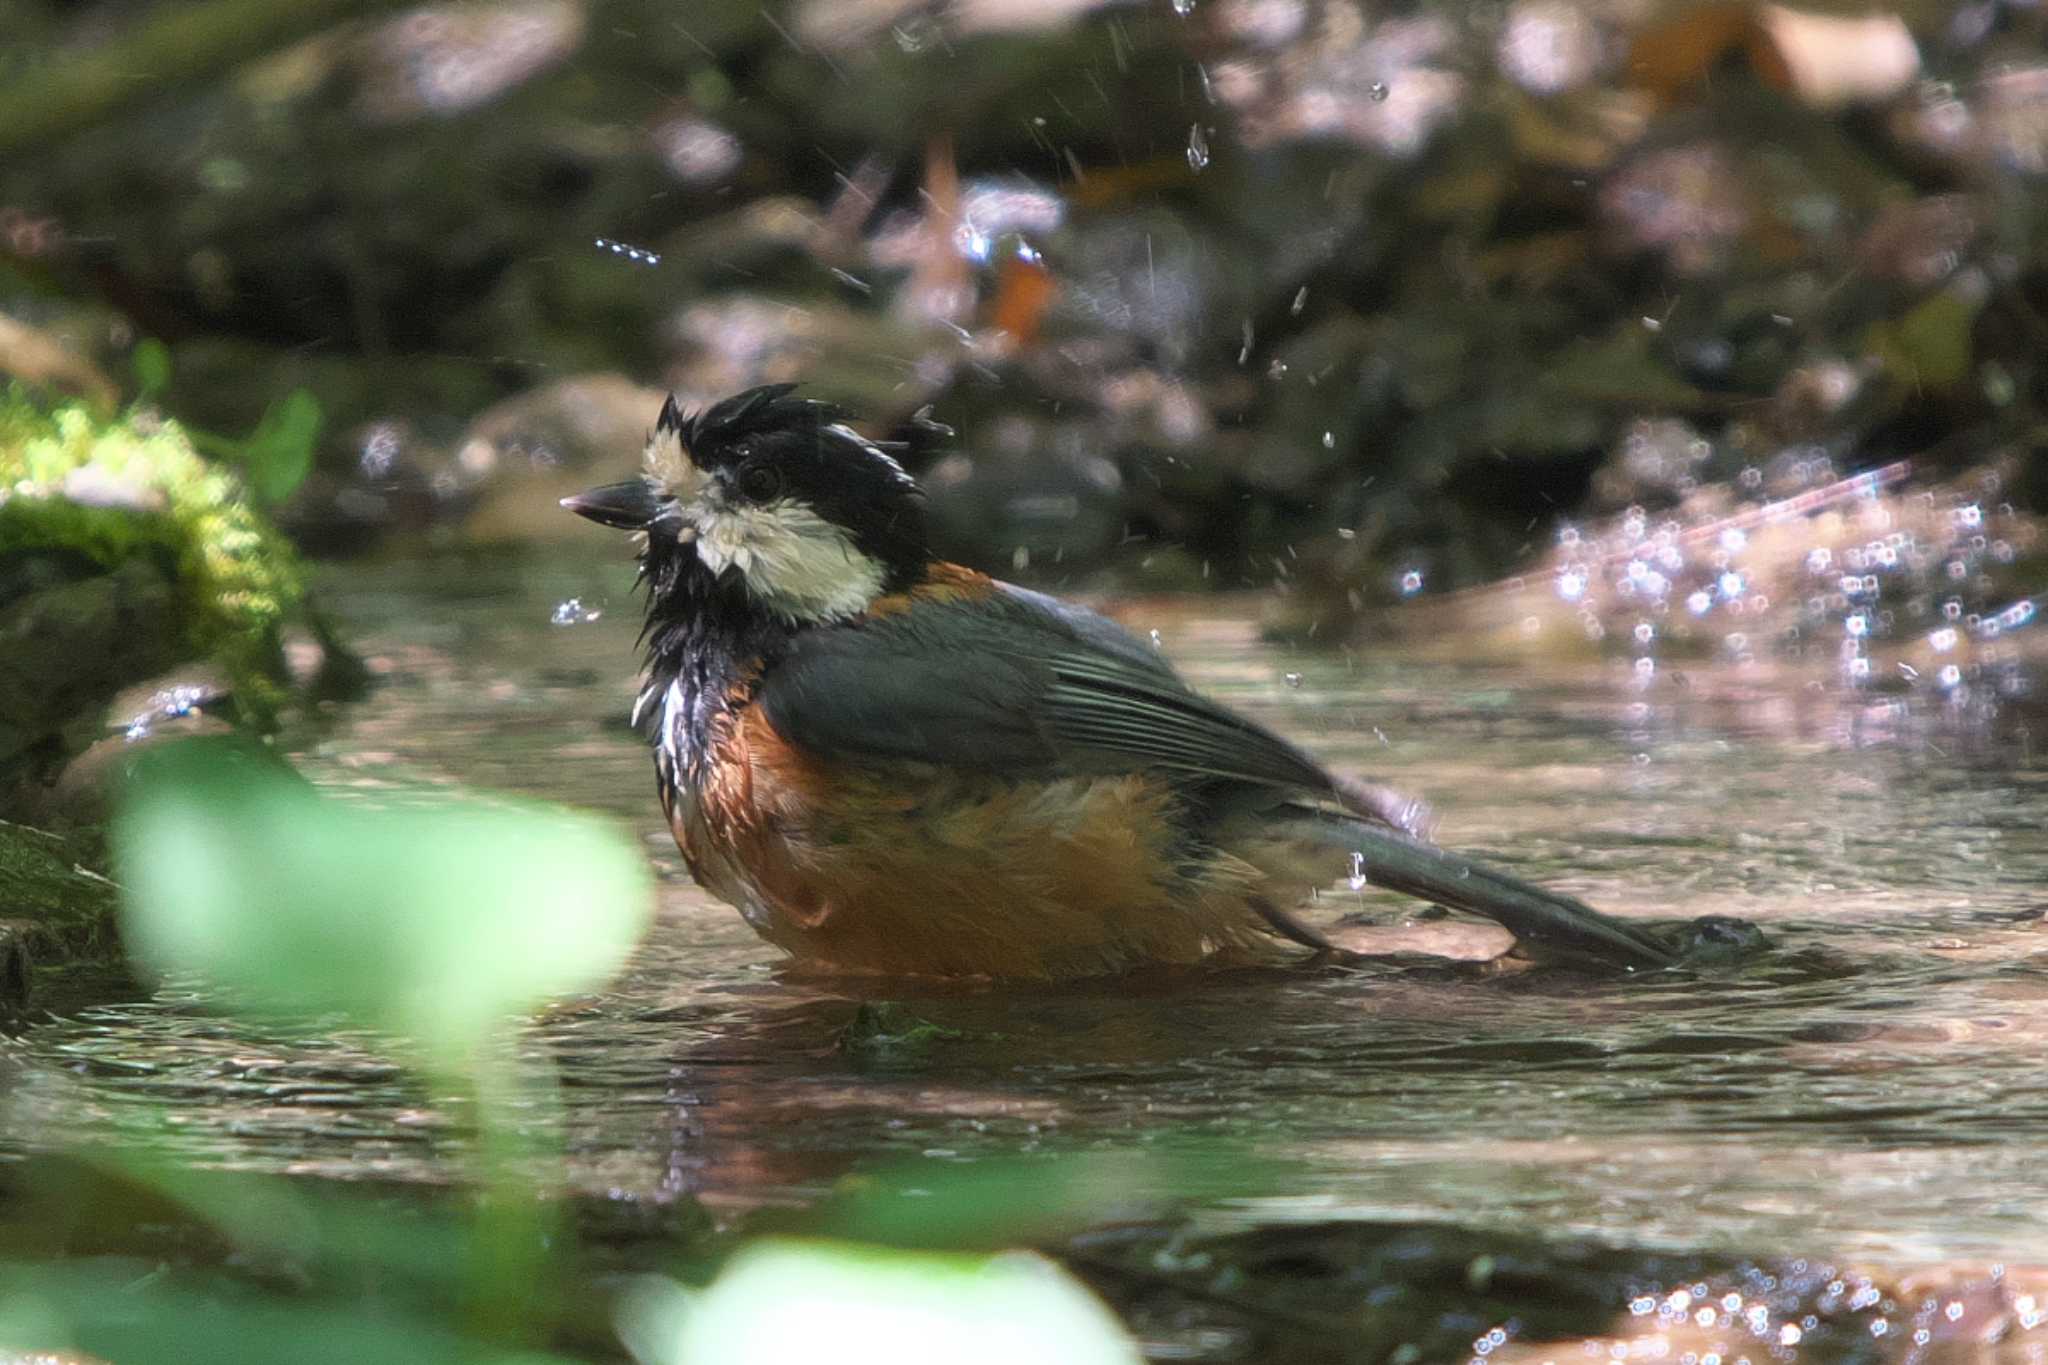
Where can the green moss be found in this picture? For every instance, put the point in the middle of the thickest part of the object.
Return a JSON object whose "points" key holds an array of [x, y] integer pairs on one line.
{"points": [[153, 494]]}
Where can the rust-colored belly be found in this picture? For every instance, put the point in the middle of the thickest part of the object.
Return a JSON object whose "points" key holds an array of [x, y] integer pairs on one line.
{"points": [[932, 872]]}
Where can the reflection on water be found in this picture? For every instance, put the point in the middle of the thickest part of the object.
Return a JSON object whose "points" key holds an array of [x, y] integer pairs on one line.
{"points": [[1873, 1088]]}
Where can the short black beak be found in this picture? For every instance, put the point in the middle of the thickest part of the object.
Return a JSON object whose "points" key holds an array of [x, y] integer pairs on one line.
{"points": [[628, 506]]}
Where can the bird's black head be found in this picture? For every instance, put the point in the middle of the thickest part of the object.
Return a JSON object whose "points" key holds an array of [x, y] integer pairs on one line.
{"points": [[775, 496]]}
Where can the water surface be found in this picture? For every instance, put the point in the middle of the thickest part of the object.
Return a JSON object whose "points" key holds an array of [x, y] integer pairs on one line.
{"points": [[1874, 1088]]}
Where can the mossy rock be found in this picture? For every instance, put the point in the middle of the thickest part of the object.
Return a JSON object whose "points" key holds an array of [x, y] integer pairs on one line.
{"points": [[122, 553]]}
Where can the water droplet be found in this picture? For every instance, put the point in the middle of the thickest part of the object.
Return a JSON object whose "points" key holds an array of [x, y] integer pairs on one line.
{"points": [[1291, 679], [974, 244], [1645, 632], [1198, 148], [1300, 301], [1377, 92], [1411, 582], [1156, 644], [637, 255], [2014, 616], [1329, 440], [1357, 880], [1183, 7], [574, 613]]}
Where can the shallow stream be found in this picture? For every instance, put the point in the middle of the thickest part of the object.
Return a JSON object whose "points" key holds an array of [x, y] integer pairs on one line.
{"points": [[1875, 1088]]}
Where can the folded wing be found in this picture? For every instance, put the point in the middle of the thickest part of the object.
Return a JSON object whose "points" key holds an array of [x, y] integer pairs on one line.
{"points": [[1015, 683]]}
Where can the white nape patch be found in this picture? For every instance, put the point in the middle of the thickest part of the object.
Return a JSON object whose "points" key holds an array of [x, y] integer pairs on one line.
{"points": [[795, 562]]}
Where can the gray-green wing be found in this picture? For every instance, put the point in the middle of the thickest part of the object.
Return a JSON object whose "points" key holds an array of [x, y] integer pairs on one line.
{"points": [[1016, 683]]}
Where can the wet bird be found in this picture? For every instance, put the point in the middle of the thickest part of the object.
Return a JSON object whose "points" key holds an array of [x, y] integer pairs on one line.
{"points": [[893, 764]]}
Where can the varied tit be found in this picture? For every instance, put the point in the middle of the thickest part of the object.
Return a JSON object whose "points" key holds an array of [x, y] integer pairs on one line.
{"points": [[893, 764]]}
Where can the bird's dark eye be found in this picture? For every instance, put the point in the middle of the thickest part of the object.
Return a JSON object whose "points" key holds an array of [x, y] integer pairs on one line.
{"points": [[760, 482]]}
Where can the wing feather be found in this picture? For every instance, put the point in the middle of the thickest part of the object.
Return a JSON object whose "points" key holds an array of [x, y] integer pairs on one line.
{"points": [[1016, 682]]}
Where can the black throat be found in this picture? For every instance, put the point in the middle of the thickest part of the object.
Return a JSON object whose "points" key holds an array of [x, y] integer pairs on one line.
{"points": [[707, 644]]}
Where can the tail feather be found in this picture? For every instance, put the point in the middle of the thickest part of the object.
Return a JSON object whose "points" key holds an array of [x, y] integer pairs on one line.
{"points": [[1554, 925]]}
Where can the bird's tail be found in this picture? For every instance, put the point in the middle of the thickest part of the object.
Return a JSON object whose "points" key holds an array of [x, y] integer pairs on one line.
{"points": [[1553, 926]]}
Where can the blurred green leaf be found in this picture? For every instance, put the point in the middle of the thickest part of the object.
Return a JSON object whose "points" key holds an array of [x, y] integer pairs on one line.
{"points": [[436, 921], [152, 361], [118, 1310], [279, 453], [797, 1303]]}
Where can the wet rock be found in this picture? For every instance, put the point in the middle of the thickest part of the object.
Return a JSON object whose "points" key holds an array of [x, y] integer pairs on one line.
{"points": [[1920, 242], [520, 457], [124, 554], [1547, 46], [1830, 61], [36, 357], [1388, 87], [88, 633], [441, 60], [1685, 203], [697, 151], [876, 365]]}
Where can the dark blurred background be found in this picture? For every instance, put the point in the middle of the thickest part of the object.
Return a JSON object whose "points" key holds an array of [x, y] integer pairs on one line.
{"points": [[1355, 298]]}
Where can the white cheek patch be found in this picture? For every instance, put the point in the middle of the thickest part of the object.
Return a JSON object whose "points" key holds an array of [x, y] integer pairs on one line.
{"points": [[794, 562]]}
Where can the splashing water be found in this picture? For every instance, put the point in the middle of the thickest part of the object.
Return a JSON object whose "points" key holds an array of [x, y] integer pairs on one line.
{"points": [[574, 613], [172, 703], [1357, 880], [1198, 148]]}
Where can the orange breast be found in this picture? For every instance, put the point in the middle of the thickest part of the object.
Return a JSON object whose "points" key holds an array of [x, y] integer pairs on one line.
{"points": [[922, 871]]}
